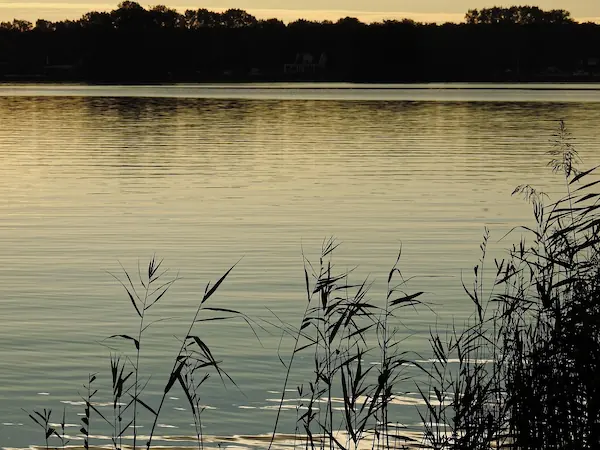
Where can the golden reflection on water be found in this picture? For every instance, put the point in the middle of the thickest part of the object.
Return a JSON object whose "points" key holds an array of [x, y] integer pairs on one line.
{"points": [[407, 440], [86, 182]]}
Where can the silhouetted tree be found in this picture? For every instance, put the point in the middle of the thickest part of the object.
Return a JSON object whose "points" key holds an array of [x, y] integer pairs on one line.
{"points": [[131, 16], [202, 18], [272, 24], [134, 44], [44, 26], [350, 22], [395, 23], [17, 25], [520, 15], [306, 24], [97, 20], [237, 18], [164, 17]]}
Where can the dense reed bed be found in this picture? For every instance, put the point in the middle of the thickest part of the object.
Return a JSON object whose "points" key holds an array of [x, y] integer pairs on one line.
{"points": [[528, 367], [522, 372]]}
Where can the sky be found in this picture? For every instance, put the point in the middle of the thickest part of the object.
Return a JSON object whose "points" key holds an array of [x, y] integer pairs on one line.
{"points": [[287, 10]]}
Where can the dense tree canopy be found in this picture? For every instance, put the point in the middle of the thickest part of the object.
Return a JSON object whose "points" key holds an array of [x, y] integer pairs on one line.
{"points": [[132, 43], [521, 15]]}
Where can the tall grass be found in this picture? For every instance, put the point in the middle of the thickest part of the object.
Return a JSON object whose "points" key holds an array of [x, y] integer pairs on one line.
{"points": [[551, 315], [192, 364], [528, 373], [335, 329], [522, 372]]}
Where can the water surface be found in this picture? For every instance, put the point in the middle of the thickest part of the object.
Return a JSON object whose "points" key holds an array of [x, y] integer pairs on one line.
{"points": [[95, 177]]}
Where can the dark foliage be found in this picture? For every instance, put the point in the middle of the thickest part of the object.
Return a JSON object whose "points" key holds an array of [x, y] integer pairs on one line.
{"points": [[133, 44], [529, 358]]}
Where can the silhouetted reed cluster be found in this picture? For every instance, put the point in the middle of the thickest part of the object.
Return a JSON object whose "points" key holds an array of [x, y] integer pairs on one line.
{"points": [[522, 372], [528, 368]]}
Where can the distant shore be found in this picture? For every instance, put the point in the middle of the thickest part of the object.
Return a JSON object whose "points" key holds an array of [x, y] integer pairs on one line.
{"points": [[298, 82]]}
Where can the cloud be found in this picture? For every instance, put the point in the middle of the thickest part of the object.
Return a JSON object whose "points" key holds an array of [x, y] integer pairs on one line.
{"points": [[59, 6], [50, 11]]}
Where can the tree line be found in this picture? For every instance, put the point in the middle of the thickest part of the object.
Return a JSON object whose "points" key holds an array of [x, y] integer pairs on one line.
{"points": [[132, 43]]}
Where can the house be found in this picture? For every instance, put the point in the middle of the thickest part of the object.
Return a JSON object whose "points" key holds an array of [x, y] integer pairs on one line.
{"points": [[305, 63]]}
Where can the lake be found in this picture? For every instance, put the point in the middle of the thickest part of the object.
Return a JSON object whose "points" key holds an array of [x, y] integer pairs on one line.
{"points": [[95, 177]]}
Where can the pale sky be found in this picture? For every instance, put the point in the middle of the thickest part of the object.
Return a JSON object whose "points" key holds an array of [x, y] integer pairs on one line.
{"points": [[287, 10]]}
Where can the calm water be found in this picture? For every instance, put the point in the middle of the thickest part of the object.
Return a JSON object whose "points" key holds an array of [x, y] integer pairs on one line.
{"points": [[91, 177]]}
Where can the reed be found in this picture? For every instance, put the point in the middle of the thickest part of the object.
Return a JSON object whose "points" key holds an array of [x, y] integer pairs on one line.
{"points": [[529, 356], [128, 380], [551, 315], [340, 329], [42, 419], [85, 420]]}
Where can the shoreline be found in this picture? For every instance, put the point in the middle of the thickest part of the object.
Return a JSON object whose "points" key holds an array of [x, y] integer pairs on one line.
{"points": [[580, 85]]}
